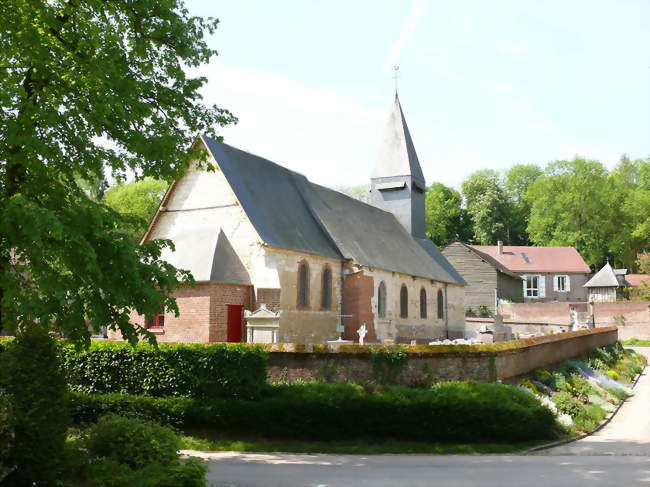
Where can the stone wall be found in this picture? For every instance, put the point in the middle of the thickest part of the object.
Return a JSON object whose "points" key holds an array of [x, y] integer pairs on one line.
{"points": [[505, 361], [635, 322]]}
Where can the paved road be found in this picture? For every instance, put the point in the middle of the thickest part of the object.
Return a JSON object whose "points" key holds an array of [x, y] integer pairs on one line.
{"points": [[619, 455]]}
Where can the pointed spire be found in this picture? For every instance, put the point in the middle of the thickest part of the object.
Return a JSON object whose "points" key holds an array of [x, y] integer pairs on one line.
{"points": [[398, 156]]}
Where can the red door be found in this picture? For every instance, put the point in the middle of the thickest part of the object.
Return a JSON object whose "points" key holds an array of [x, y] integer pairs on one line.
{"points": [[235, 322]]}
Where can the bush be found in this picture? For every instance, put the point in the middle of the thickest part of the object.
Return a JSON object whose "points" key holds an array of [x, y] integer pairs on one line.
{"points": [[450, 411], [30, 373], [7, 420], [132, 442], [125, 452], [567, 404], [590, 417], [200, 371]]}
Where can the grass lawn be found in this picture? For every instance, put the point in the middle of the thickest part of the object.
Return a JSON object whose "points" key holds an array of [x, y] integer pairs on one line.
{"points": [[211, 442], [636, 342]]}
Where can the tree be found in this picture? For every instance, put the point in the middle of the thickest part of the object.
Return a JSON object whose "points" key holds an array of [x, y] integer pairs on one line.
{"points": [[87, 86], [139, 201], [445, 219], [630, 202], [517, 180], [488, 207], [570, 206]]}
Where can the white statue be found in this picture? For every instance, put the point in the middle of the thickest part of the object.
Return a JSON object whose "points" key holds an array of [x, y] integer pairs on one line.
{"points": [[363, 331]]}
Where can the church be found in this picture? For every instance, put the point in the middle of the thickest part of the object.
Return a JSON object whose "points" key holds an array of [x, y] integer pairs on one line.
{"points": [[277, 258]]}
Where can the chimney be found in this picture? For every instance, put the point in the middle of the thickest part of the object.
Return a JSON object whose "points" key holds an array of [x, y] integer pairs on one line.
{"points": [[500, 246]]}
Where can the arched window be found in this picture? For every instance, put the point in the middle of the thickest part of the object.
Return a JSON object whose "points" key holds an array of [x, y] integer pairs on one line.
{"points": [[404, 302], [441, 305], [303, 284], [381, 300], [423, 303], [326, 288]]}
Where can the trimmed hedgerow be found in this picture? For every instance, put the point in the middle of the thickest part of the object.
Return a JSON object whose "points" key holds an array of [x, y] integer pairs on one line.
{"points": [[200, 371], [450, 411]]}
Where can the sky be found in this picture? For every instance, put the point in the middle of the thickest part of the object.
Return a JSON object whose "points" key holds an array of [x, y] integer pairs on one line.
{"points": [[483, 84]]}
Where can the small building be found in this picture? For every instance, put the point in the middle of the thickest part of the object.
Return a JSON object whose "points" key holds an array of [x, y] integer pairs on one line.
{"points": [[487, 279], [607, 285], [548, 273], [300, 262]]}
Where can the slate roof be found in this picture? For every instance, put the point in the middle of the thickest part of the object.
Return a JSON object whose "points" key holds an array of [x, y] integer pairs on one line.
{"points": [[208, 255], [398, 156], [536, 259], [608, 277], [289, 211]]}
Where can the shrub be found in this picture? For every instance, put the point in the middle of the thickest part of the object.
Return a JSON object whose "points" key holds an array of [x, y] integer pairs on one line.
{"points": [[589, 418], [201, 371], [132, 442], [450, 411], [125, 452], [545, 377], [567, 404], [30, 373], [582, 388], [388, 363], [7, 420]]}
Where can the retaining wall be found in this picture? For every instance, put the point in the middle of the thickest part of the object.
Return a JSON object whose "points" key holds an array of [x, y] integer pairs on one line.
{"points": [[429, 363]]}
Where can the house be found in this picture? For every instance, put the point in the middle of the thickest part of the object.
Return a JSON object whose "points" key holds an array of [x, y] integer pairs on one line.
{"points": [[548, 273], [607, 285], [307, 263], [487, 278], [638, 280]]}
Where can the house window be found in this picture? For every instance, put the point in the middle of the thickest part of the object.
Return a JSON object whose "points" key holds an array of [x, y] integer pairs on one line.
{"points": [[303, 285], [532, 286], [562, 284], [155, 321], [381, 300], [326, 289], [423, 303], [404, 302], [441, 305]]}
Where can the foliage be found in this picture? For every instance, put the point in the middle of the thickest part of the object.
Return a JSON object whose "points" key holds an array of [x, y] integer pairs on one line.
{"points": [[483, 310], [567, 404], [130, 452], [570, 206], [139, 201], [636, 342], [131, 442], [202, 371], [517, 180], [642, 292], [88, 88], [445, 218], [452, 411], [488, 207], [589, 418], [30, 373], [388, 364], [7, 419]]}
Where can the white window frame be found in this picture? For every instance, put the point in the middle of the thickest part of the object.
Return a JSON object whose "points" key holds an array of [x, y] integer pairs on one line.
{"points": [[567, 283], [539, 290]]}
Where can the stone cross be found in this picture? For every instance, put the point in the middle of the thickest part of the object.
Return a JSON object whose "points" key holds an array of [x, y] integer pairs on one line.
{"points": [[363, 331]]}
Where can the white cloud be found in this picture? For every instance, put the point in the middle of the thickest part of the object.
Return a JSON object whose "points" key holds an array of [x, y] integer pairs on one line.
{"points": [[408, 27]]}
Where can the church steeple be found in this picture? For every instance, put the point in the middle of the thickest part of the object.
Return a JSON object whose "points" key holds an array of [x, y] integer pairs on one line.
{"points": [[397, 183]]}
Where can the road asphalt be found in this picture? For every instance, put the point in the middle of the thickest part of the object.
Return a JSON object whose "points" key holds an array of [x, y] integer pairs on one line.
{"points": [[618, 455]]}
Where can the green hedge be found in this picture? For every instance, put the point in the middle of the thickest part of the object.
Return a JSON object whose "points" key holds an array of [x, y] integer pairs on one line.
{"points": [[200, 371], [451, 411]]}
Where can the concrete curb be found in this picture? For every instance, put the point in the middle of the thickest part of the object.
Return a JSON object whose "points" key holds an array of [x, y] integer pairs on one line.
{"points": [[605, 422]]}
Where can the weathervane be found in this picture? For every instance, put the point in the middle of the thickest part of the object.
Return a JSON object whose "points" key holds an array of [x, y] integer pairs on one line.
{"points": [[396, 76]]}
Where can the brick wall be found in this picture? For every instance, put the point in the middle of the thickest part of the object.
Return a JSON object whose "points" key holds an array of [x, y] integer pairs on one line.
{"points": [[358, 290], [270, 297], [203, 314]]}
